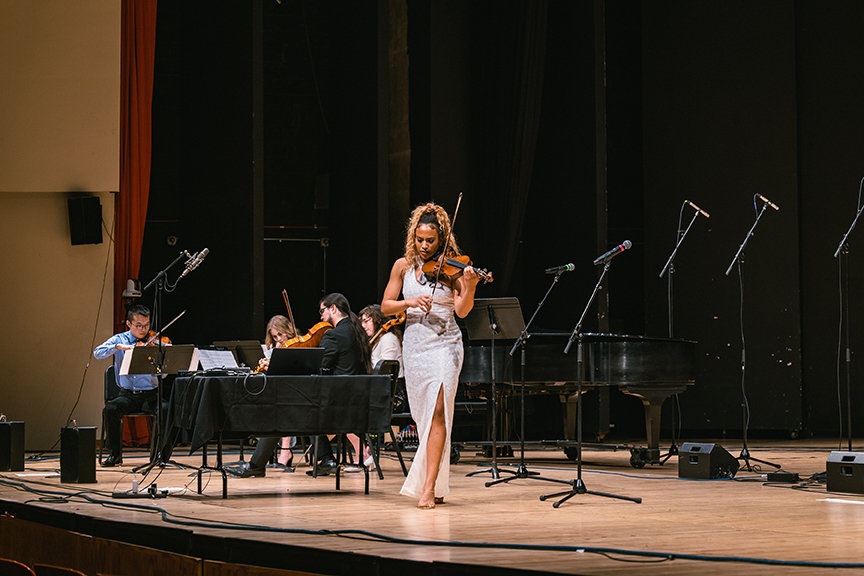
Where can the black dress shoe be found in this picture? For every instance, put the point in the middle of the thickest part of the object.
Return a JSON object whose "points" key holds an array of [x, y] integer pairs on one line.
{"points": [[244, 470], [112, 460], [325, 467]]}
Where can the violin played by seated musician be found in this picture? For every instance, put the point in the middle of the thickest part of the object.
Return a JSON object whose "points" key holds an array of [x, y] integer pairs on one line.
{"points": [[281, 333]]}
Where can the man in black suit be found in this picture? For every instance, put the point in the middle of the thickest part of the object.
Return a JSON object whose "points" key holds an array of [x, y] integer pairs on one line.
{"points": [[346, 351]]}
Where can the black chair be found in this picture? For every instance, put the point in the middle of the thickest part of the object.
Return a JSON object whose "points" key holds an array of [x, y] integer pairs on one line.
{"points": [[14, 568], [112, 391], [389, 368]]}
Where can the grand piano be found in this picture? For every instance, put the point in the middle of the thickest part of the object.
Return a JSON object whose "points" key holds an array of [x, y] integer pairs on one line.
{"points": [[652, 369]]}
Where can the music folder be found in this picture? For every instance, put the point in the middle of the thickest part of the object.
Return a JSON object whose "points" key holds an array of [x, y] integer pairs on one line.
{"points": [[147, 359]]}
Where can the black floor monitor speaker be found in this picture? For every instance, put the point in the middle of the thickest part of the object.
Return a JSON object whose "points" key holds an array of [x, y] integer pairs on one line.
{"points": [[845, 472], [78, 455], [705, 461], [11, 446]]}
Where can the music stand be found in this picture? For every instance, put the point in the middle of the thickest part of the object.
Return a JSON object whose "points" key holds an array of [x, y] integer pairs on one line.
{"points": [[493, 318], [159, 361]]}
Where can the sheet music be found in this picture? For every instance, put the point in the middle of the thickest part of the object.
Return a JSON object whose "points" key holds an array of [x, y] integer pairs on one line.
{"points": [[211, 359], [127, 360]]}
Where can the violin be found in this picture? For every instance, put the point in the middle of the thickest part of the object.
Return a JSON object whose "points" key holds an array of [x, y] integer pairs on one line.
{"points": [[449, 265], [309, 340], [399, 319], [150, 340]]}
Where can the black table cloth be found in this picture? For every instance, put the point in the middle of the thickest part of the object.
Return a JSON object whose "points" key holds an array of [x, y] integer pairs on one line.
{"points": [[238, 406]]}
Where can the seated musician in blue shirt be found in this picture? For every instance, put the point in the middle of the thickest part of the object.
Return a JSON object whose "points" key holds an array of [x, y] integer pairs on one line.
{"points": [[346, 351], [137, 393]]}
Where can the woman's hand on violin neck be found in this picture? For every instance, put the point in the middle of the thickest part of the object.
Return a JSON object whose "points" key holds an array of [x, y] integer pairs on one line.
{"points": [[470, 276]]}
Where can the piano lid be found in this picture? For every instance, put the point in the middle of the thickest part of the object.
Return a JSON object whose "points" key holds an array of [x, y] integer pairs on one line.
{"points": [[610, 359]]}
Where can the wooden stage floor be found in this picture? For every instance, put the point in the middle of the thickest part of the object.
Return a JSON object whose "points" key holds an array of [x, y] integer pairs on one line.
{"points": [[508, 526]]}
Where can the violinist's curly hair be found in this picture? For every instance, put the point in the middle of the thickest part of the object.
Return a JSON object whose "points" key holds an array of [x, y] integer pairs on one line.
{"points": [[435, 215], [282, 324]]}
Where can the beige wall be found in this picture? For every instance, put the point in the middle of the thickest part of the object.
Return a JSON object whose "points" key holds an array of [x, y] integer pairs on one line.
{"points": [[49, 303], [59, 95], [59, 132]]}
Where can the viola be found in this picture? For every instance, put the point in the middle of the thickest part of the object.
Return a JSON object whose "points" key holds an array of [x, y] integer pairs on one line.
{"points": [[448, 265], [399, 319], [309, 340]]}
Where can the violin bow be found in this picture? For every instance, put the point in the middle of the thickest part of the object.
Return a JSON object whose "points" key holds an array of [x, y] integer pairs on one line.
{"points": [[446, 246], [288, 306], [159, 333]]}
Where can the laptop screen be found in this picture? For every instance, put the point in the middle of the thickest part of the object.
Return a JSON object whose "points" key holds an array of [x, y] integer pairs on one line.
{"points": [[295, 361]]}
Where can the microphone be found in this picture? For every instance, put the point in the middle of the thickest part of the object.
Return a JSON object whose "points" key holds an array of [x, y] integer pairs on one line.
{"points": [[559, 269], [195, 261], [614, 252], [705, 214], [771, 204]]}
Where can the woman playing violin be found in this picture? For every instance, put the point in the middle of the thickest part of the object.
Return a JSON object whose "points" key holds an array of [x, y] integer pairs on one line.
{"points": [[279, 330], [388, 344], [432, 345]]}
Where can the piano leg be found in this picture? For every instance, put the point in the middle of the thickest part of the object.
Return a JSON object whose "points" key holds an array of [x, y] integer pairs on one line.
{"points": [[652, 399]]}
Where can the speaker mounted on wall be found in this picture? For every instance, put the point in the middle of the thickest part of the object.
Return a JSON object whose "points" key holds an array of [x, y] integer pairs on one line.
{"points": [[85, 220], [705, 461]]}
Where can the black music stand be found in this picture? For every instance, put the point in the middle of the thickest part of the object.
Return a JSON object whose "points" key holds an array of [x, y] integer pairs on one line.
{"points": [[161, 361], [493, 318], [578, 486]]}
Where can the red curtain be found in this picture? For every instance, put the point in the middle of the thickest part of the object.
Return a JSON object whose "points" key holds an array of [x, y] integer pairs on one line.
{"points": [[137, 56]]}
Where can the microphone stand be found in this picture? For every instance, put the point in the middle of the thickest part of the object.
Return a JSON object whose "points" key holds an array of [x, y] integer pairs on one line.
{"points": [[578, 485], [522, 470], [843, 248], [745, 408], [157, 436], [673, 449]]}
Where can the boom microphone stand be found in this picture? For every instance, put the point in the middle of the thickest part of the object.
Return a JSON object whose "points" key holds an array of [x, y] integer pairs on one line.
{"points": [[673, 449], [160, 280], [578, 485], [843, 249], [745, 406]]}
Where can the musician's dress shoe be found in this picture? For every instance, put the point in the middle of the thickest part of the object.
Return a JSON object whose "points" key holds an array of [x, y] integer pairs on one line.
{"points": [[112, 460], [325, 467], [245, 470]]}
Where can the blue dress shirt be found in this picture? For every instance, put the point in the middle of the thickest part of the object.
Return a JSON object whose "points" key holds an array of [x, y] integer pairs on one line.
{"points": [[103, 351]]}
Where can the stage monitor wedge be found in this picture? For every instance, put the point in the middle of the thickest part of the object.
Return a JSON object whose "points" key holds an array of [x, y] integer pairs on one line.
{"points": [[705, 462], [844, 472]]}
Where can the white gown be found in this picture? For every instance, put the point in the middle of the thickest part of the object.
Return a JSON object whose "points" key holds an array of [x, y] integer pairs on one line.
{"points": [[432, 353]]}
